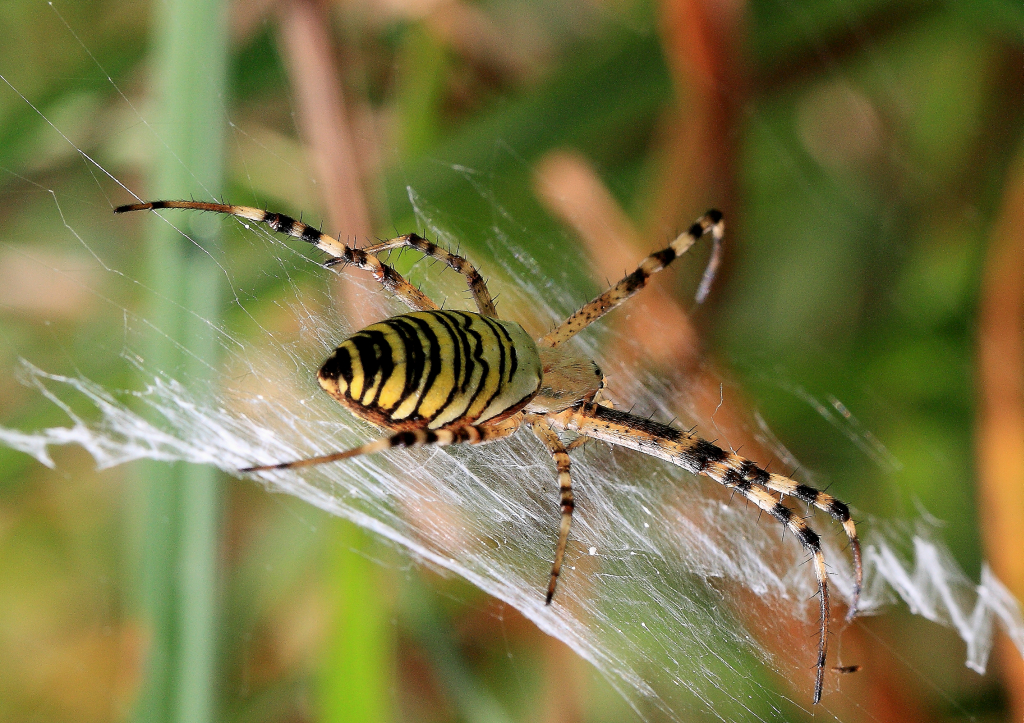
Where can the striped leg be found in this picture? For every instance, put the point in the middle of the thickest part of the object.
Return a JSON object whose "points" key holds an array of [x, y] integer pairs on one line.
{"points": [[342, 253], [823, 501], [742, 472], [702, 457], [477, 285], [469, 434], [727, 475], [558, 452], [599, 398], [711, 222]]}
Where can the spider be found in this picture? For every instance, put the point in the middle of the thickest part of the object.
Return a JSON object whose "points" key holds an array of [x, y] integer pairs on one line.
{"points": [[434, 377]]}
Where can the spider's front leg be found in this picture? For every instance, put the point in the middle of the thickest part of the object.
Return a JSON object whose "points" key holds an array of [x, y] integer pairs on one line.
{"points": [[711, 222], [812, 543], [702, 457], [823, 501], [567, 504]]}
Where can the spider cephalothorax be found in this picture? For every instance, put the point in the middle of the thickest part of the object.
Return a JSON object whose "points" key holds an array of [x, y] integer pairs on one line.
{"points": [[447, 377]]}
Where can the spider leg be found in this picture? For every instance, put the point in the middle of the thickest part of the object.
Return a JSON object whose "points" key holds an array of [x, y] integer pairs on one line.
{"points": [[342, 253], [711, 222], [576, 443], [702, 457], [477, 285], [823, 501], [811, 542], [559, 453], [467, 434], [599, 398]]}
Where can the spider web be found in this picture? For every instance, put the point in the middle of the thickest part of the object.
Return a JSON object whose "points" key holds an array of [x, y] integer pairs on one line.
{"points": [[670, 584], [676, 593]]}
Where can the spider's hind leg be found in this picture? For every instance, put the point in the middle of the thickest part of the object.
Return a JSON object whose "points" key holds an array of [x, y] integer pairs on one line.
{"points": [[342, 253], [567, 504], [476, 283], [468, 434]]}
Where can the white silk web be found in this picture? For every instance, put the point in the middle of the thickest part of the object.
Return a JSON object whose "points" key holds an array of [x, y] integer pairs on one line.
{"points": [[680, 596]]}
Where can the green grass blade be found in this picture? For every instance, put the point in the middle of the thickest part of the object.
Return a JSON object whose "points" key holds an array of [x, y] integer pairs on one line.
{"points": [[180, 577]]}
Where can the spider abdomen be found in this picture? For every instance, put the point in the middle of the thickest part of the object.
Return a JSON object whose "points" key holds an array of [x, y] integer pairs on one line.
{"points": [[432, 369]]}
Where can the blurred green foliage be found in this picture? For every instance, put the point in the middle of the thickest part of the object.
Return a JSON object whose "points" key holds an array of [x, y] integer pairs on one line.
{"points": [[870, 151]]}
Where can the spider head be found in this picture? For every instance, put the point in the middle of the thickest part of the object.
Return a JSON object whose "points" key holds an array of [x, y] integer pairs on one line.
{"points": [[569, 378]]}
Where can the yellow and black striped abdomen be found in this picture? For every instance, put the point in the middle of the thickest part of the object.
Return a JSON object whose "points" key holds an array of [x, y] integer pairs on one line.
{"points": [[431, 369]]}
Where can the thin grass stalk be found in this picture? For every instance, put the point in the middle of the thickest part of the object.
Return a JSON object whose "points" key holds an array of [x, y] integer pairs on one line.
{"points": [[1000, 417], [355, 683], [179, 584]]}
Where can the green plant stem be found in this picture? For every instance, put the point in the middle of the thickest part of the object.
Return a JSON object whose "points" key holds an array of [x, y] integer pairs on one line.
{"points": [[180, 522], [355, 686]]}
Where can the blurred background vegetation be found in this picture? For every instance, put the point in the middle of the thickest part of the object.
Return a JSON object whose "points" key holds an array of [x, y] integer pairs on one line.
{"points": [[867, 156]]}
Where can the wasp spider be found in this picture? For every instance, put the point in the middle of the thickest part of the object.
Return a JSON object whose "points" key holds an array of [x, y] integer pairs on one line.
{"points": [[450, 377]]}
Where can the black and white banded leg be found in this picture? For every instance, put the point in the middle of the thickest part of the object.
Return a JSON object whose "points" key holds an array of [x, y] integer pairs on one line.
{"points": [[342, 253], [476, 283], [711, 222], [566, 501], [467, 434]]}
